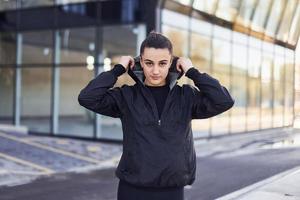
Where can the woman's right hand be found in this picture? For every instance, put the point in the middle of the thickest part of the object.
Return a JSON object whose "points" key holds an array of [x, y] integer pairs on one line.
{"points": [[126, 61]]}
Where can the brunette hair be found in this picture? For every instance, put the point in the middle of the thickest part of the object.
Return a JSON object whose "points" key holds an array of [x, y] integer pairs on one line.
{"points": [[158, 41]]}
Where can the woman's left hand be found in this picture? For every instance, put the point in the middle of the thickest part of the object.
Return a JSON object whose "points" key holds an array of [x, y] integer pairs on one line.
{"points": [[184, 63]]}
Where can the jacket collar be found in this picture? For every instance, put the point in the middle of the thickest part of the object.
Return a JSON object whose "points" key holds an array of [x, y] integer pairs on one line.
{"points": [[138, 76]]}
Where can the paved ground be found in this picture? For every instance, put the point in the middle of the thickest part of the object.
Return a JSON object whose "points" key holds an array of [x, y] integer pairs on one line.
{"points": [[75, 169]]}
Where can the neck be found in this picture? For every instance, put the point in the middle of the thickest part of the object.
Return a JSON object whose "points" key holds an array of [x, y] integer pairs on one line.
{"points": [[151, 85]]}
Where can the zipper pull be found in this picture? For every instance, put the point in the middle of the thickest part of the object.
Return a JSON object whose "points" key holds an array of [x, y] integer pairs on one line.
{"points": [[159, 122]]}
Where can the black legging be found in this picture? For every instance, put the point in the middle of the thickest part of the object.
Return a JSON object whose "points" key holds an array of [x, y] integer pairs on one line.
{"points": [[127, 191]]}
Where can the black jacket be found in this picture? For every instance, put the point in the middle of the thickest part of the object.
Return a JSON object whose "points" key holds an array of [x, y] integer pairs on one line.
{"points": [[157, 152]]}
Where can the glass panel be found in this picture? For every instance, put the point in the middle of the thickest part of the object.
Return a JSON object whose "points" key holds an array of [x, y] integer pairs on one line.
{"points": [[239, 88], [260, 15], [77, 45], [266, 86], [6, 94], [221, 70], [174, 19], [208, 6], [34, 3], [289, 87], [200, 56], [297, 89], [185, 2], [36, 99], [180, 40], [222, 33], [37, 47], [8, 5], [287, 19], [254, 42], [70, 1], [240, 38], [276, 12], [245, 12], [202, 27], [74, 119], [201, 52], [278, 89], [113, 47], [295, 27], [253, 107], [227, 9], [7, 48]]}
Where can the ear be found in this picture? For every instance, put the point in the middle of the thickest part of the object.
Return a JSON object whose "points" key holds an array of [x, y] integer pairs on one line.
{"points": [[141, 64]]}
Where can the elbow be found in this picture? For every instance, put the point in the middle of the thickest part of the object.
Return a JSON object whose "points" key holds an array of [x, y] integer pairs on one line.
{"points": [[81, 99], [229, 104]]}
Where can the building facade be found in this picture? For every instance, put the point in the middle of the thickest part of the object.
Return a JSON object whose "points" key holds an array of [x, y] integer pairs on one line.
{"points": [[49, 50]]}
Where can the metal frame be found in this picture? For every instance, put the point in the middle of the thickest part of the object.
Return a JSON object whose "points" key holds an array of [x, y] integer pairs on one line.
{"points": [[18, 82], [55, 84]]}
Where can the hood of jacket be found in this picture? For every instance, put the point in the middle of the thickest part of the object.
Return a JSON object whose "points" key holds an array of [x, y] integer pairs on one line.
{"points": [[138, 75]]}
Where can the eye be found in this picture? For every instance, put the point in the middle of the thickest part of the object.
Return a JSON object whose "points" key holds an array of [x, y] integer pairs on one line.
{"points": [[163, 64], [149, 63]]}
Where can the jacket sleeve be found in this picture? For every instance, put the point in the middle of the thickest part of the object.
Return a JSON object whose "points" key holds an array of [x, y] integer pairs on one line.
{"points": [[100, 97], [210, 98]]}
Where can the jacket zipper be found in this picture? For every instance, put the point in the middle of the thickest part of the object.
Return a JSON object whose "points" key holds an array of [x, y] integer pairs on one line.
{"points": [[159, 122]]}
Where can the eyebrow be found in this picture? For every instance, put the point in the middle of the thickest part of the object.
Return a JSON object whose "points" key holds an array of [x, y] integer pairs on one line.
{"points": [[152, 61]]}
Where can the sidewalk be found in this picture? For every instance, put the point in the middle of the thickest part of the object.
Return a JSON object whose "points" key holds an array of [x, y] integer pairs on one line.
{"points": [[81, 170], [283, 186]]}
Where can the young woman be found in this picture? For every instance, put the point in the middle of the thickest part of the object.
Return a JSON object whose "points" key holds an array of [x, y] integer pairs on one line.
{"points": [[158, 157]]}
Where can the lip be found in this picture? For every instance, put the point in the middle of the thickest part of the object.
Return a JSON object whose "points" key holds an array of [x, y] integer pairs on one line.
{"points": [[155, 78]]}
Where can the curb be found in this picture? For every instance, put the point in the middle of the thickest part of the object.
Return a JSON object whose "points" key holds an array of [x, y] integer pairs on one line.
{"points": [[246, 190], [12, 128]]}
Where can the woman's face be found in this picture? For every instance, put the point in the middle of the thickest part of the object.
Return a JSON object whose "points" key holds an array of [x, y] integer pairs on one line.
{"points": [[155, 64]]}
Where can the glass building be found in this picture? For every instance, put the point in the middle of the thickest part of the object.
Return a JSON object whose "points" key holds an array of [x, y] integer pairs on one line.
{"points": [[51, 49]]}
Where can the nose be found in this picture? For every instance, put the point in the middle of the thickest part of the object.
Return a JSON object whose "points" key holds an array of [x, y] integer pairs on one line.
{"points": [[155, 70]]}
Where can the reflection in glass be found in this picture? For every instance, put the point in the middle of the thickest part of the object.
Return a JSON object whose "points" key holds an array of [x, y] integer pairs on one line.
{"points": [[8, 5], [185, 2], [74, 119], [221, 69], [113, 47], [253, 100], [289, 87], [201, 57], [245, 12], [295, 27], [284, 29], [239, 88], [36, 99], [6, 94], [70, 1], [201, 27], [266, 90], [34, 3], [77, 45], [221, 32], [274, 18], [179, 39], [7, 48], [201, 52], [208, 6], [227, 9], [175, 19], [297, 87], [278, 87], [37, 47], [260, 15]]}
